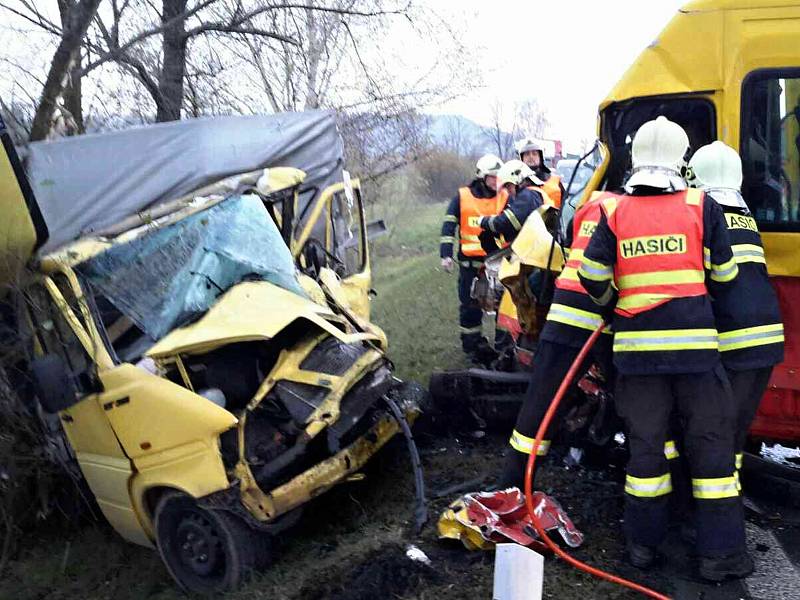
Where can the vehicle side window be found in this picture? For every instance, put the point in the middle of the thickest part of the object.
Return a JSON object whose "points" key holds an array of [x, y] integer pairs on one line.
{"points": [[346, 233], [57, 337], [770, 147]]}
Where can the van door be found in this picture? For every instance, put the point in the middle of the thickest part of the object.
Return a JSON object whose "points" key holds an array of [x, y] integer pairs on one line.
{"points": [[22, 228], [59, 329], [337, 225]]}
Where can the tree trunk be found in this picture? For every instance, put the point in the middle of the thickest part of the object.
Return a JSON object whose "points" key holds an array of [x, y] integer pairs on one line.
{"points": [[69, 47], [173, 69], [313, 57], [72, 95]]}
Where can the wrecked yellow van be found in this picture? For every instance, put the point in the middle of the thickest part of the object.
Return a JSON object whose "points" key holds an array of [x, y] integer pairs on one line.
{"points": [[208, 387]]}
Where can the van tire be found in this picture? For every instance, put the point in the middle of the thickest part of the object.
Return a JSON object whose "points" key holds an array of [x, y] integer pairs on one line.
{"points": [[206, 551]]}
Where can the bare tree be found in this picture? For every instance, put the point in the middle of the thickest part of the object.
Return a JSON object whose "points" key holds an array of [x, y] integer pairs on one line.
{"points": [[497, 133], [197, 57], [78, 19], [530, 119]]}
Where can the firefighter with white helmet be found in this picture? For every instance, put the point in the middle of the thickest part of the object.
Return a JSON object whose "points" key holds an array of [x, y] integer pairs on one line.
{"points": [[747, 313], [482, 198], [657, 252], [531, 153], [519, 181]]}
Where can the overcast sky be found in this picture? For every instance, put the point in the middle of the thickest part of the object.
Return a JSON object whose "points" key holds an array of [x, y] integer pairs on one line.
{"points": [[566, 53]]}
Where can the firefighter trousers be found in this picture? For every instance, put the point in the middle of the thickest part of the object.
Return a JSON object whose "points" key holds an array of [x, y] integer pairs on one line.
{"points": [[469, 313], [550, 365], [748, 388], [707, 417]]}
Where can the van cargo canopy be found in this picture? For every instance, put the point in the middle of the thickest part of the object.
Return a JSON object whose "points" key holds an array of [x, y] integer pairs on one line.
{"points": [[87, 183]]}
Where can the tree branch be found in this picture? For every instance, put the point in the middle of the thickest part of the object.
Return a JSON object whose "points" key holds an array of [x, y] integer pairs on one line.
{"points": [[218, 27], [120, 50], [42, 22]]}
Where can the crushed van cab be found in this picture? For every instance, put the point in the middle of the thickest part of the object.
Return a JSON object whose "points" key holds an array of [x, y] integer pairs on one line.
{"points": [[210, 381]]}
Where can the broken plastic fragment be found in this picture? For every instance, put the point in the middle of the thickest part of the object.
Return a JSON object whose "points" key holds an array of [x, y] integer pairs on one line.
{"points": [[417, 555], [483, 519]]}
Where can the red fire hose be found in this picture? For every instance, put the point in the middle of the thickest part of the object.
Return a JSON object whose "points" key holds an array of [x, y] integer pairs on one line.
{"points": [[531, 469]]}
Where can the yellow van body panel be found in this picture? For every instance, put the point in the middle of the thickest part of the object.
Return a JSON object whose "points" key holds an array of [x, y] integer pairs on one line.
{"points": [[22, 228], [169, 434], [708, 49], [674, 63], [195, 469], [106, 468], [151, 414]]}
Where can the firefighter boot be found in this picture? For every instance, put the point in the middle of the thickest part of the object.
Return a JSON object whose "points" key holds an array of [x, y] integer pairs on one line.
{"points": [[513, 470], [641, 556], [720, 568]]}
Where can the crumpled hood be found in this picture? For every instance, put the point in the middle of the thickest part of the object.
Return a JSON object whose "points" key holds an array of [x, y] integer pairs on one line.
{"points": [[249, 311]]}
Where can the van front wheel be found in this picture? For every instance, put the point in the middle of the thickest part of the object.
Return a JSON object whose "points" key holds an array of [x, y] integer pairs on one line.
{"points": [[205, 551]]}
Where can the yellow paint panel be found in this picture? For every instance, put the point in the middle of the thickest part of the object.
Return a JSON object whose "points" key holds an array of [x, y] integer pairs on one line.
{"points": [[17, 233], [108, 479], [150, 414], [782, 251], [104, 465], [672, 64], [196, 469], [328, 473]]}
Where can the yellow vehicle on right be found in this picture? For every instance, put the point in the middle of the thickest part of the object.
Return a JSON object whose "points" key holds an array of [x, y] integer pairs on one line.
{"points": [[730, 70]]}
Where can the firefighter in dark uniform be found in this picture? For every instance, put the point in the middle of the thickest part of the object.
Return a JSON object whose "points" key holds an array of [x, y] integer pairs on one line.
{"points": [[572, 317], [518, 181], [464, 213], [532, 154], [747, 313], [651, 255]]}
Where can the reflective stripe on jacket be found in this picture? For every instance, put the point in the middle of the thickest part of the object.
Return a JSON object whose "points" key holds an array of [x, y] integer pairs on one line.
{"points": [[472, 210]]}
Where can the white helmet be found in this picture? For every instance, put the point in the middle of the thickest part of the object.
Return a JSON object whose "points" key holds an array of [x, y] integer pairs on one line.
{"points": [[528, 145], [716, 165], [488, 164], [658, 151], [717, 169], [515, 171]]}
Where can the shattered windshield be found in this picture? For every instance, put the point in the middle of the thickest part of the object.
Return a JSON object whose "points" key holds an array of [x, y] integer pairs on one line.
{"points": [[171, 276]]}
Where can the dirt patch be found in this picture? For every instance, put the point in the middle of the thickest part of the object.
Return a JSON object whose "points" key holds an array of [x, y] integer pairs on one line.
{"points": [[387, 574]]}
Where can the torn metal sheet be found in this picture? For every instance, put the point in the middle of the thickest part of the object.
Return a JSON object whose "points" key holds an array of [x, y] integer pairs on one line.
{"points": [[481, 520]]}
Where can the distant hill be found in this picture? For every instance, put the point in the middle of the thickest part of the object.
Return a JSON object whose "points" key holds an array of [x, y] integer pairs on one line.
{"points": [[448, 130]]}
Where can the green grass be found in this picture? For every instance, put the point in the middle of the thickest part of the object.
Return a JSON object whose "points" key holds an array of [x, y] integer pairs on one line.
{"points": [[417, 304]]}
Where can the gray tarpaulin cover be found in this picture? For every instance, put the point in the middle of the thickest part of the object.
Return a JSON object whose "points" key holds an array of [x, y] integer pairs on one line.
{"points": [[90, 182]]}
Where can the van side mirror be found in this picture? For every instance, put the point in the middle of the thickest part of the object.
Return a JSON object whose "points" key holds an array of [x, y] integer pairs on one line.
{"points": [[53, 383]]}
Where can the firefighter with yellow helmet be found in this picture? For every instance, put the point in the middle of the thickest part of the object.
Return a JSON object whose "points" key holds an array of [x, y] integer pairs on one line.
{"points": [[473, 203]]}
